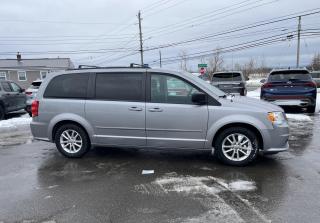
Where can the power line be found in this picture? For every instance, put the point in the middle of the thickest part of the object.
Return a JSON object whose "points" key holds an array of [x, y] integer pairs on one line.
{"points": [[241, 28], [236, 47]]}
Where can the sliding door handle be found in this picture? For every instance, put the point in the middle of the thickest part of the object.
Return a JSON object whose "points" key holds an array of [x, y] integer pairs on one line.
{"points": [[155, 110], [135, 109]]}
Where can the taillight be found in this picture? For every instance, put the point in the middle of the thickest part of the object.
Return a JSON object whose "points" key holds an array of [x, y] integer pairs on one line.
{"points": [[310, 84], [28, 93], [35, 108], [267, 85]]}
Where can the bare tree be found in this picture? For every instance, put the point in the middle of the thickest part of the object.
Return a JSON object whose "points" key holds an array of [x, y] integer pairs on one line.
{"points": [[183, 62], [315, 63], [249, 68], [215, 62]]}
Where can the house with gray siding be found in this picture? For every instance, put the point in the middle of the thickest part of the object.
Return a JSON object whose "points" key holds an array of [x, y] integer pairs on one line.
{"points": [[25, 71]]}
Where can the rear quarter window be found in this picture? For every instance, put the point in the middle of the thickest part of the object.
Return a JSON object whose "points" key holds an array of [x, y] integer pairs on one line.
{"points": [[68, 86]]}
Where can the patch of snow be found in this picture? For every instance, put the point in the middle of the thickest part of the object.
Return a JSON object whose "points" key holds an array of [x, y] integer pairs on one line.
{"points": [[299, 117], [241, 185], [14, 122], [254, 82], [254, 94]]}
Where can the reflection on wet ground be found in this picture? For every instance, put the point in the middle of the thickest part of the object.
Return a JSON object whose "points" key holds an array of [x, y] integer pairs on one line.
{"points": [[37, 184]]}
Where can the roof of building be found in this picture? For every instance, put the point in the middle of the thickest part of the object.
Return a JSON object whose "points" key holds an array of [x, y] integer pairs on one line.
{"points": [[54, 63]]}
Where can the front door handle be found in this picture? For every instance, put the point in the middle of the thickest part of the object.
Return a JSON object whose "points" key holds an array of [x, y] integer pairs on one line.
{"points": [[155, 110], [135, 109]]}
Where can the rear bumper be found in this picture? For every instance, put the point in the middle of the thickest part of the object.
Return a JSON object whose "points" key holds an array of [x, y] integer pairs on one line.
{"points": [[234, 90], [294, 100]]}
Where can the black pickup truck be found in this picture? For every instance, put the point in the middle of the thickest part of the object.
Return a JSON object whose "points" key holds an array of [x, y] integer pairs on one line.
{"points": [[12, 98]]}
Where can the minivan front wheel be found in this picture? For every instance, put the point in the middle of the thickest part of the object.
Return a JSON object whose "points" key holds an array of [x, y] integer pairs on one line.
{"points": [[236, 146], [72, 141]]}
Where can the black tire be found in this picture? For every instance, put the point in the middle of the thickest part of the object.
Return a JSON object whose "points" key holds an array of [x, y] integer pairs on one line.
{"points": [[251, 155], [311, 109], [2, 113], [79, 151]]}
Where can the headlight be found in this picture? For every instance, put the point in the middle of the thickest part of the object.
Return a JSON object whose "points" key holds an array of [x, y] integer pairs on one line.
{"points": [[277, 118]]}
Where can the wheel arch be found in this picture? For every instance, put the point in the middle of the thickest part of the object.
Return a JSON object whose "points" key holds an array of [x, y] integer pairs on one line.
{"points": [[239, 124], [69, 119]]}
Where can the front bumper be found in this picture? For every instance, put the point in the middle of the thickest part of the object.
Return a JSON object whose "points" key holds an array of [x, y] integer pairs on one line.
{"points": [[276, 150], [276, 139]]}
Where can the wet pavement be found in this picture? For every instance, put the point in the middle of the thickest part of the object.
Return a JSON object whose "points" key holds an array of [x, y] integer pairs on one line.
{"points": [[37, 184]]}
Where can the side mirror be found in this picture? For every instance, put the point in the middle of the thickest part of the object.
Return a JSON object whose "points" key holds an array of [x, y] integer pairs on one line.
{"points": [[199, 98], [22, 90], [262, 81]]}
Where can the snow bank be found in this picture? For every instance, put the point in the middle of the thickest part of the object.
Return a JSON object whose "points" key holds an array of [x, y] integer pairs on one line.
{"points": [[15, 122]]}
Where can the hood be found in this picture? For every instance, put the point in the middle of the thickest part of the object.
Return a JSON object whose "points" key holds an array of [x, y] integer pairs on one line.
{"points": [[251, 104]]}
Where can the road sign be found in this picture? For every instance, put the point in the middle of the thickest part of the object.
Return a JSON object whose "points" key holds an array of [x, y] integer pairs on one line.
{"points": [[202, 65]]}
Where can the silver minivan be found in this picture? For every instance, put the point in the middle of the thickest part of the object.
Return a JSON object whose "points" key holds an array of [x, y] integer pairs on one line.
{"points": [[155, 109]]}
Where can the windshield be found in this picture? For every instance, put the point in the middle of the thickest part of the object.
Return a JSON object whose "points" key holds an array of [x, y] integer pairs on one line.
{"points": [[214, 89], [289, 76], [226, 77]]}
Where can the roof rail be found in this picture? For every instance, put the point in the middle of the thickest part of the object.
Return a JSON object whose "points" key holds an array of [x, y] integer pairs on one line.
{"points": [[87, 66], [132, 65]]}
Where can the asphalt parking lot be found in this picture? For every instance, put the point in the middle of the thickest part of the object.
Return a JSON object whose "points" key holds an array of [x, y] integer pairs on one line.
{"points": [[37, 184]]}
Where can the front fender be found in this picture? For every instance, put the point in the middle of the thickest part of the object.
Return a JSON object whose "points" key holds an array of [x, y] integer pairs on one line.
{"points": [[70, 117], [236, 118]]}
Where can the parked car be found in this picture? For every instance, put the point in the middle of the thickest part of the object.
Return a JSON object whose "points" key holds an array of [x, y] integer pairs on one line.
{"points": [[316, 77], [12, 98], [290, 87], [136, 108], [31, 93], [230, 82]]}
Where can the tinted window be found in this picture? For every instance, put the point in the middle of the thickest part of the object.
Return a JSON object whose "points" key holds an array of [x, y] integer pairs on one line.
{"points": [[120, 86], [169, 89], [289, 76], [227, 77], [68, 86], [15, 87], [6, 87]]}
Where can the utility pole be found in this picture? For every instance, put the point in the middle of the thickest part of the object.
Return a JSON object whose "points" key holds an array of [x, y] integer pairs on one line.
{"points": [[298, 45], [160, 58], [141, 43]]}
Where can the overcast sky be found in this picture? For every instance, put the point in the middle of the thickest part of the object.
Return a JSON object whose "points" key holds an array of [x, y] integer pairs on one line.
{"points": [[105, 32]]}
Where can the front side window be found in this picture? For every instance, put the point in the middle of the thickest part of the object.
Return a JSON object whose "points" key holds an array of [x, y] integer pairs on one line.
{"points": [[171, 90], [68, 86], [120, 86], [6, 87], [15, 87], [22, 76], [3, 76]]}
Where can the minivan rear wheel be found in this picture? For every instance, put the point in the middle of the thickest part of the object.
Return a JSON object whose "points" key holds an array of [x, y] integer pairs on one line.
{"points": [[72, 141], [236, 146]]}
